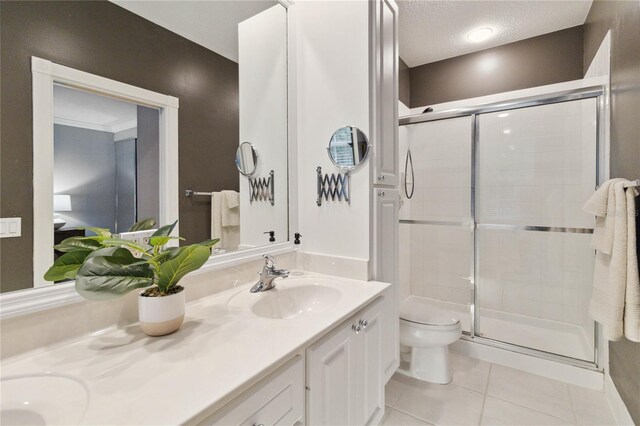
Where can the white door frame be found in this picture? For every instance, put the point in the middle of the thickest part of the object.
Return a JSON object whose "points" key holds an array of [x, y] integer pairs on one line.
{"points": [[45, 74]]}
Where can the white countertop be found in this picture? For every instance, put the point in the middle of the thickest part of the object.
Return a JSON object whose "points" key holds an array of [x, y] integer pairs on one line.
{"points": [[221, 349]]}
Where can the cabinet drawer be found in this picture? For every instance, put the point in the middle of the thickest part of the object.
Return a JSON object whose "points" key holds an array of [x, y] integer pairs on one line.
{"points": [[278, 399]]}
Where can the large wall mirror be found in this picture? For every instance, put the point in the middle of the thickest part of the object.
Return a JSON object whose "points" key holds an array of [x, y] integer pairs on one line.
{"points": [[114, 157]]}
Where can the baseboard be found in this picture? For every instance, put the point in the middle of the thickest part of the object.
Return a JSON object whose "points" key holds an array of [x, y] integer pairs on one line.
{"points": [[591, 379], [618, 407]]}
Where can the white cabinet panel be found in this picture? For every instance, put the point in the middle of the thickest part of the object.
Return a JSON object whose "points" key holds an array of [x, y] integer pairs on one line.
{"points": [[332, 379], [387, 202], [370, 363], [386, 92], [278, 399], [344, 372]]}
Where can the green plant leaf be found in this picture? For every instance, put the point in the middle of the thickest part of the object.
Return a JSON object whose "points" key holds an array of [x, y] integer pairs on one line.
{"points": [[79, 243], [100, 232], [143, 225], [209, 243], [66, 266], [162, 240], [108, 277], [165, 230], [189, 259], [167, 254], [118, 242], [125, 254]]}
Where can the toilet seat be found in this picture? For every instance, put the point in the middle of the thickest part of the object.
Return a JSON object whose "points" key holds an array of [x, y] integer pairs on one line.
{"points": [[427, 317]]}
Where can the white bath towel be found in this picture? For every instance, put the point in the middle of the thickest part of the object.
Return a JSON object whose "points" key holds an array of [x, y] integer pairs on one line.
{"points": [[632, 296], [229, 236], [230, 209], [614, 268]]}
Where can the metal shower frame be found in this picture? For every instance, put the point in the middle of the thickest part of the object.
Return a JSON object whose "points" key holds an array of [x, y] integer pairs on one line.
{"points": [[597, 92]]}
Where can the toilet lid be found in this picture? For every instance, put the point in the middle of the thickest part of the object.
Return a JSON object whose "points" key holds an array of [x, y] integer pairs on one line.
{"points": [[424, 314]]}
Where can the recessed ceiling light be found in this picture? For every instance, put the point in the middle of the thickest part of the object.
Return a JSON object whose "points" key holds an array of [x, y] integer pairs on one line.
{"points": [[481, 34], [503, 115], [506, 131]]}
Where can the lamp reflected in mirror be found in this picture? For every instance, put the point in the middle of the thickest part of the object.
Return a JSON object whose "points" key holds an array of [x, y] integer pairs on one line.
{"points": [[61, 203]]}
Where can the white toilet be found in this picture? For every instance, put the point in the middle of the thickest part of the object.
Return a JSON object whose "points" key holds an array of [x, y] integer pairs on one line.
{"points": [[427, 332]]}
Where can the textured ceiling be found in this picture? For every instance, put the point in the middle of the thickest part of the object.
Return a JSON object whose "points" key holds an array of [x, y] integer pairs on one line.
{"points": [[77, 108], [434, 30], [212, 24]]}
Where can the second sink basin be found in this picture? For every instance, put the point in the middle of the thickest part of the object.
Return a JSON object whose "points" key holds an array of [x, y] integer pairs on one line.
{"points": [[42, 399], [285, 303]]}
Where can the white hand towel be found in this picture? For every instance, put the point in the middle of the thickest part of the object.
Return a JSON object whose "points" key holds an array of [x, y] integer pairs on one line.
{"points": [[216, 217], [611, 239], [632, 296], [232, 198], [601, 201], [230, 209]]}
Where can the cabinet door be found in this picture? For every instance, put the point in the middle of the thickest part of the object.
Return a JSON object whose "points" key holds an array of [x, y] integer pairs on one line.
{"points": [[277, 399], [332, 373], [387, 204], [370, 367], [386, 99]]}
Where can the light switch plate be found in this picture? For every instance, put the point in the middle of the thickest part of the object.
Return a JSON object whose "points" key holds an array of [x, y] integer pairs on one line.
{"points": [[10, 227]]}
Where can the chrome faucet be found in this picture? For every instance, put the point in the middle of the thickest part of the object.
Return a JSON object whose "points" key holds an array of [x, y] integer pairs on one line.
{"points": [[268, 275]]}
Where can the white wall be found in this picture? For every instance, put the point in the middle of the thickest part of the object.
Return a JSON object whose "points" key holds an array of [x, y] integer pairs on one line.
{"points": [[262, 67], [332, 45]]}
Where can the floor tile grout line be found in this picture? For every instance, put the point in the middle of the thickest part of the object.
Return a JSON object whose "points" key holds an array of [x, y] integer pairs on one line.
{"points": [[533, 409], [415, 417], [484, 396], [573, 405]]}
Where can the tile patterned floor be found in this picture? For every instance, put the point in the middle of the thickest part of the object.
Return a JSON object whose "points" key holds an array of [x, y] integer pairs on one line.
{"points": [[488, 394]]}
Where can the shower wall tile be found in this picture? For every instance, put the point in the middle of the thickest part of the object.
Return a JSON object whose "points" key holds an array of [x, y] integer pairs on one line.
{"points": [[440, 258], [536, 166], [441, 153], [545, 275]]}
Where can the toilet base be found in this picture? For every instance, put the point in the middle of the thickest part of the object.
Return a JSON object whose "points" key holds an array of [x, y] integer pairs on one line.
{"points": [[430, 364]]}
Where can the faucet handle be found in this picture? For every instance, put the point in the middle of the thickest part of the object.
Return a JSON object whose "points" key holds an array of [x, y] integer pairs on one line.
{"points": [[269, 261]]}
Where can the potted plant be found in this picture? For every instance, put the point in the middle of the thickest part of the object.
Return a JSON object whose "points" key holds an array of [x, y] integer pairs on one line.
{"points": [[106, 266]]}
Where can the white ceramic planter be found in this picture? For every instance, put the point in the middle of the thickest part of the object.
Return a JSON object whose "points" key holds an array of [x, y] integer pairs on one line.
{"points": [[161, 315]]}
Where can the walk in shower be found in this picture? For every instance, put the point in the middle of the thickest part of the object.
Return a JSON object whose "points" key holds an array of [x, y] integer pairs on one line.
{"points": [[491, 222]]}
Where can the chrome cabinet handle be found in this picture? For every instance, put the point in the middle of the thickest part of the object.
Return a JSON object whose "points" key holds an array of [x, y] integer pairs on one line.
{"points": [[258, 424], [356, 328], [364, 323], [380, 193], [381, 178]]}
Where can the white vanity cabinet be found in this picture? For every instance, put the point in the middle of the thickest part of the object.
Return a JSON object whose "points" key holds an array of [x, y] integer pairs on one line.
{"points": [[345, 374], [278, 399], [385, 96], [386, 243]]}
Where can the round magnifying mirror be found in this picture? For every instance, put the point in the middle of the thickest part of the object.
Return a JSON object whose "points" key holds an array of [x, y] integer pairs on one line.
{"points": [[246, 159], [348, 147]]}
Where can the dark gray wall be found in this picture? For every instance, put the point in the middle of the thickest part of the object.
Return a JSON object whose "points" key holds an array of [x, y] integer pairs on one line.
{"points": [[404, 81], [546, 59], [104, 39], [84, 166], [148, 158], [623, 19]]}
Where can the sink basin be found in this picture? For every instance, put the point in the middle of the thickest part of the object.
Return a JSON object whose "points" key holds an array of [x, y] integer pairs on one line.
{"points": [[285, 303], [42, 399]]}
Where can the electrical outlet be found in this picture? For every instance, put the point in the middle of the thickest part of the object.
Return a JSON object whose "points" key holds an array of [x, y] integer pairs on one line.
{"points": [[139, 237]]}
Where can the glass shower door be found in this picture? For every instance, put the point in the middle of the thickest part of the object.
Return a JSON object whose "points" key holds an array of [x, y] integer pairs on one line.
{"points": [[535, 169], [436, 225]]}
